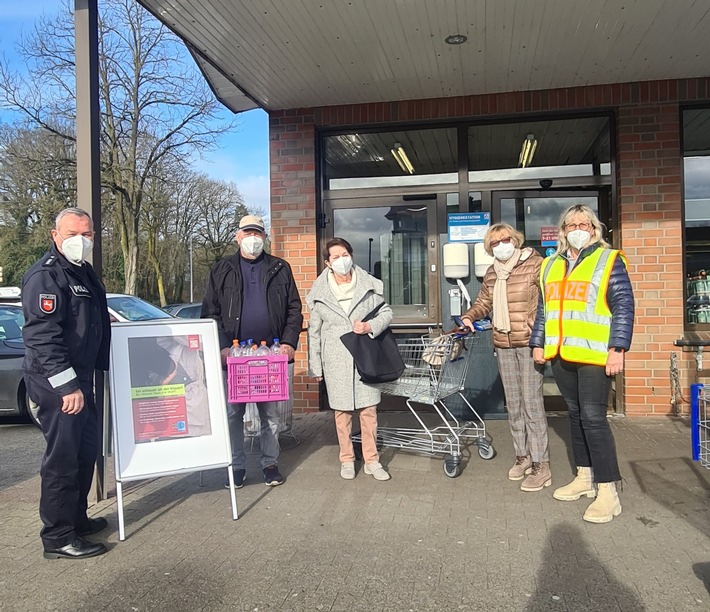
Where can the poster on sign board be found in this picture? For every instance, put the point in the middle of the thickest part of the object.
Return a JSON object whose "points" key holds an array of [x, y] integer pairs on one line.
{"points": [[167, 398]]}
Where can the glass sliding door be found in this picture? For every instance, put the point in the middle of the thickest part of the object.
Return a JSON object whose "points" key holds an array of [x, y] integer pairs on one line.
{"points": [[395, 241]]}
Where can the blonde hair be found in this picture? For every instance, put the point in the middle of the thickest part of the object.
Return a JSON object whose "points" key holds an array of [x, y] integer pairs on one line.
{"points": [[499, 228], [592, 218]]}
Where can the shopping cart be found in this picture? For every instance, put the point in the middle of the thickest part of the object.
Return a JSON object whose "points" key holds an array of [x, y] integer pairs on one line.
{"points": [[435, 369]]}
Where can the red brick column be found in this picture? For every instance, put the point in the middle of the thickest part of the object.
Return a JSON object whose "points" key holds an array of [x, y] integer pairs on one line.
{"points": [[293, 227], [649, 181]]}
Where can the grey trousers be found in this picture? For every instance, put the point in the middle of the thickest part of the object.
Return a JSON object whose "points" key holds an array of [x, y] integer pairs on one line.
{"points": [[522, 383], [268, 439]]}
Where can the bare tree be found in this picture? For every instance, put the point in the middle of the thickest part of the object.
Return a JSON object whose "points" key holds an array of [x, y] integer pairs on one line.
{"points": [[37, 180], [155, 104]]}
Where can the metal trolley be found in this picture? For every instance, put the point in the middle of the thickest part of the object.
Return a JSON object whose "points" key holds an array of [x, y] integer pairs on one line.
{"points": [[435, 369]]}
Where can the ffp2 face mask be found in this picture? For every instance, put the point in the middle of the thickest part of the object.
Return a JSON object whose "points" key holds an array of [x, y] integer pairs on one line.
{"points": [[77, 248], [342, 265], [253, 245]]}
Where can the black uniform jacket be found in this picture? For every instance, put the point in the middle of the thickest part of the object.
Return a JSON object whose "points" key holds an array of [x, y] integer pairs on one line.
{"points": [[67, 330], [223, 299]]}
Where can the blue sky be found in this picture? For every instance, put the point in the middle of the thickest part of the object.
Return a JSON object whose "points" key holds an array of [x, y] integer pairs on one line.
{"points": [[243, 154]]}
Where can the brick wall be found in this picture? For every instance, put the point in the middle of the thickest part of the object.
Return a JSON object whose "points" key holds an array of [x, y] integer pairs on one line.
{"points": [[649, 193], [293, 217]]}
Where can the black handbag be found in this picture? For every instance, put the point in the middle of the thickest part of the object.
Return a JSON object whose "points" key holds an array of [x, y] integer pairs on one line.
{"points": [[377, 359]]}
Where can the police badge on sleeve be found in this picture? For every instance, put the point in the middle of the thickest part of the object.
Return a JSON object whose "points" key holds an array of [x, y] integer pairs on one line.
{"points": [[47, 302]]}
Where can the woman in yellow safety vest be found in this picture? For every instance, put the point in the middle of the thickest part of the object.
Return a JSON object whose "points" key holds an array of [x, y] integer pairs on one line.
{"points": [[584, 326]]}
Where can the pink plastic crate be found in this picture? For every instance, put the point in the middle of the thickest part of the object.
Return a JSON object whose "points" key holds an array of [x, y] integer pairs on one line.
{"points": [[257, 379]]}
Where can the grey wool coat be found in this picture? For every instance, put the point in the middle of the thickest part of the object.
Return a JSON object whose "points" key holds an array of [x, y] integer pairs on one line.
{"points": [[327, 355]]}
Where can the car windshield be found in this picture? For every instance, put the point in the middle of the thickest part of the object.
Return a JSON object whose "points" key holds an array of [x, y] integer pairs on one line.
{"points": [[135, 309], [11, 323]]}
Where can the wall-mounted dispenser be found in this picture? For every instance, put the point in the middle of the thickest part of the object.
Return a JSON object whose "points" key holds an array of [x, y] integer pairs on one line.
{"points": [[456, 267], [481, 260]]}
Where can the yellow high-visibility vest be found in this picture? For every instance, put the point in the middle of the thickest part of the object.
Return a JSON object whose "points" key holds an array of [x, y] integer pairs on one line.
{"points": [[577, 317]]}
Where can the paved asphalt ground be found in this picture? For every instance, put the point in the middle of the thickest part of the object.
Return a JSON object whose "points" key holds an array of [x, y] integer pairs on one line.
{"points": [[421, 541]]}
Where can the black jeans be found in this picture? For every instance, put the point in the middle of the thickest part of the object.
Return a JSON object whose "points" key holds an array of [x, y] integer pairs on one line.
{"points": [[585, 388]]}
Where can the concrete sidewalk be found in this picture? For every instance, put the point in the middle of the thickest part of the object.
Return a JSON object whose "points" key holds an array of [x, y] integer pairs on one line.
{"points": [[420, 541]]}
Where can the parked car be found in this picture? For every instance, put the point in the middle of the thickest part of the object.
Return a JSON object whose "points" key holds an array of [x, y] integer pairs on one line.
{"points": [[123, 308], [185, 311], [10, 295], [13, 395], [14, 400]]}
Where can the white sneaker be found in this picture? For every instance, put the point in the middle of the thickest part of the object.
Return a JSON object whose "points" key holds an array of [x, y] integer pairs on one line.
{"points": [[347, 470], [376, 470]]}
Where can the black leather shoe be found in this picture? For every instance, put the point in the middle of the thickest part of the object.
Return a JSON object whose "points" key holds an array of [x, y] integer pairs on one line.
{"points": [[93, 526], [78, 549]]}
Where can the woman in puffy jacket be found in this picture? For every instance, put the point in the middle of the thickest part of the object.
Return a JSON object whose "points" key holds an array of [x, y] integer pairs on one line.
{"points": [[510, 289], [584, 326]]}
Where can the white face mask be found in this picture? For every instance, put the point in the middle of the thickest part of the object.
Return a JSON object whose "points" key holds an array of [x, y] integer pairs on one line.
{"points": [[578, 239], [503, 252], [77, 248], [342, 265], [252, 245]]}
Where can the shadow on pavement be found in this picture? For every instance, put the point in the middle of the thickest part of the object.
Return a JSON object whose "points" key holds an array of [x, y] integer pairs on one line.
{"points": [[702, 571], [573, 578], [148, 506], [665, 480]]}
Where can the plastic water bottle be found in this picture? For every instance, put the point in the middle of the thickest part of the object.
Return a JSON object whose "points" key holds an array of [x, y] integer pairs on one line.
{"points": [[234, 349], [263, 350], [276, 347]]}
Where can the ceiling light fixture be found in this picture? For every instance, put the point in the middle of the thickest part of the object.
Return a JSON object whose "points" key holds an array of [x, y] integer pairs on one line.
{"points": [[401, 158], [527, 151], [455, 39]]}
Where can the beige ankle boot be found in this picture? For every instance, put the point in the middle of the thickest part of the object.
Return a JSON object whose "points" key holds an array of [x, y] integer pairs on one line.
{"points": [[539, 477], [606, 506], [521, 467], [581, 485]]}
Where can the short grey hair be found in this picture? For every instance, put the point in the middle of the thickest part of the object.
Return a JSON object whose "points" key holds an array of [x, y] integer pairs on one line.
{"points": [[77, 212]]}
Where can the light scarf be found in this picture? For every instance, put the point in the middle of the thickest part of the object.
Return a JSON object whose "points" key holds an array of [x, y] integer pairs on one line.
{"points": [[501, 315], [344, 292]]}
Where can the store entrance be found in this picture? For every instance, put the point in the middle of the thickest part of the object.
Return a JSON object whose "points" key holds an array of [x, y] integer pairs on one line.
{"points": [[535, 213]]}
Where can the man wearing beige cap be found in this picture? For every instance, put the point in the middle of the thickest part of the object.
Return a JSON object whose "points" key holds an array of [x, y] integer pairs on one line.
{"points": [[253, 295]]}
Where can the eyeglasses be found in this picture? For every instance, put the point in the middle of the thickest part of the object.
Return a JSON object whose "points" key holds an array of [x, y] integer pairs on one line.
{"points": [[585, 227], [495, 243]]}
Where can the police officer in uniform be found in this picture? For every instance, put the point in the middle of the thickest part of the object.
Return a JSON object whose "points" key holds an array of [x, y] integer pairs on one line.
{"points": [[67, 334]]}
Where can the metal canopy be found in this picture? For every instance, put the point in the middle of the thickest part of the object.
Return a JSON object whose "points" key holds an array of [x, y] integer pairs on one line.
{"points": [[280, 54]]}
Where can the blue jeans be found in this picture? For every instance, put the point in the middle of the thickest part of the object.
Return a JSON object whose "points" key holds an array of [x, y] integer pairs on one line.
{"points": [[269, 437], [585, 388]]}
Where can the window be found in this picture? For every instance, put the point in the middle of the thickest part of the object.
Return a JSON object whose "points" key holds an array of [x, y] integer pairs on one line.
{"points": [[696, 194], [390, 159], [539, 149]]}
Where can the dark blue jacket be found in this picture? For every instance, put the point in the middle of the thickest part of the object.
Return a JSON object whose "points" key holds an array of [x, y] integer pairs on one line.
{"points": [[67, 330], [224, 294], [619, 297]]}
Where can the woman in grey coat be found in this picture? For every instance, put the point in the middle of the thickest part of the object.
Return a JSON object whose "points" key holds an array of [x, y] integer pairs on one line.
{"points": [[338, 301]]}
